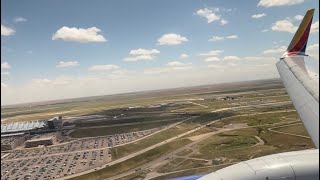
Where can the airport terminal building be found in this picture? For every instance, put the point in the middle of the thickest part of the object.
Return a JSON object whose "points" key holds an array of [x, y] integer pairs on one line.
{"points": [[30, 133]]}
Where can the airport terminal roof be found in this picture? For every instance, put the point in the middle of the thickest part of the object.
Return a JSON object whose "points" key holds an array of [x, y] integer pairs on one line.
{"points": [[21, 126]]}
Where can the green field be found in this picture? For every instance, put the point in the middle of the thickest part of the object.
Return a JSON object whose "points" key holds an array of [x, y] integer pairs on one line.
{"points": [[135, 162], [93, 132]]}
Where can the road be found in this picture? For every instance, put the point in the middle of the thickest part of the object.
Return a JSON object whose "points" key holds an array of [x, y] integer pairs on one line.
{"points": [[168, 141], [133, 154], [158, 160]]}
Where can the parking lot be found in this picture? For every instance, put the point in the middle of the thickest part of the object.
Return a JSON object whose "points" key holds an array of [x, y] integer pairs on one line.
{"points": [[64, 159], [80, 145], [55, 166]]}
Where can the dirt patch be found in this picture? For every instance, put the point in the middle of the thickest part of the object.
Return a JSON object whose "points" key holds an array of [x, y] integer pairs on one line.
{"points": [[198, 137]]}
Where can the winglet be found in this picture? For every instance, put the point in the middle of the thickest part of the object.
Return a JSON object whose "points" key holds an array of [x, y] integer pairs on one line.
{"points": [[300, 39]]}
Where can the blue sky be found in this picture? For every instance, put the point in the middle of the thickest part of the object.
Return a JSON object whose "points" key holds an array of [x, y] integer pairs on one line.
{"points": [[75, 48]]}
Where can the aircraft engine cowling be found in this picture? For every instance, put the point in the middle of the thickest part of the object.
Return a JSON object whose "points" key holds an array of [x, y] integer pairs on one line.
{"points": [[298, 165]]}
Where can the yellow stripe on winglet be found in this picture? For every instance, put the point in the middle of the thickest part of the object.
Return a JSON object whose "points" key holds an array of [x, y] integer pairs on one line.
{"points": [[304, 24]]}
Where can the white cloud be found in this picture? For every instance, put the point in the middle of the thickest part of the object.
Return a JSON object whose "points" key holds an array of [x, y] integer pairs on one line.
{"points": [[79, 34], [231, 58], [184, 56], [19, 19], [284, 26], [212, 59], [216, 38], [279, 50], [41, 81], [224, 22], [257, 16], [315, 27], [177, 63], [298, 17], [5, 73], [7, 31], [208, 14], [64, 64], [212, 53], [265, 30], [144, 51], [271, 3], [141, 55], [172, 39], [155, 70], [232, 37], [220, 38], [215, 66], [3, 85], [105, 67], [313, 47], [139, 58], [313, 51], [5, 65]]}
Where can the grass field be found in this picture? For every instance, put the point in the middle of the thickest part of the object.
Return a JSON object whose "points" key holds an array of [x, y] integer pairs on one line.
{"points": [[134, 162], [93, 132], [121, 151]]}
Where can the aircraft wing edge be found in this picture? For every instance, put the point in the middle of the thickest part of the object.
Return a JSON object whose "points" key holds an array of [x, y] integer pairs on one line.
{"points": [[304, 95]]}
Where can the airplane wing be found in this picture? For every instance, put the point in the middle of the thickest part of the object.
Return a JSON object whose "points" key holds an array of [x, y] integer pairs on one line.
{"points": [[300, 76]]}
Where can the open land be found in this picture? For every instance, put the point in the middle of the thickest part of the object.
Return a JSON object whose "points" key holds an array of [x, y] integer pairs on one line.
{"points": [[158, 134]]}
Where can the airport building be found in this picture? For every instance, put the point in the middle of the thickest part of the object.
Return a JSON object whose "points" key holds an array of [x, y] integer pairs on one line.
{"points": [[11, 141], [30, 133], [43, 140], [55, 123]]}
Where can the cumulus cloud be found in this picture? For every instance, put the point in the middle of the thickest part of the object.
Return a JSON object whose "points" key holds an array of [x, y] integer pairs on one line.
{"points": [[19, 19], [257, 16], [216, 38], [184, 56], [5, 65], [141, 55], [65, 64], [315, 27], [313, 51], [4, 85], [144, 51], [298, 17], [172, 39], [105, 67], [208, 14], [271, 3], [212, 59], [232, 37], [313, 47], [220, 38], [224, 22], [287, 25], [231, 58], [215, 66], [170, 67], [139, 58], [284, 26], [7, 31], [176, 65], [212, 53], [79, 34], [278, 50]]}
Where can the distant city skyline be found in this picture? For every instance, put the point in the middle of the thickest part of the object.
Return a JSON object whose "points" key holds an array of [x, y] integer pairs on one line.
{"points": [[68, 49]]}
